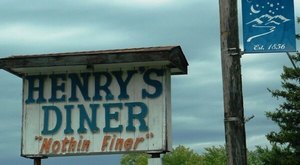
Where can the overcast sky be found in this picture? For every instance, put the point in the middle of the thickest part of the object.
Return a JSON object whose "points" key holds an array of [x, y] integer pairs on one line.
{"points": [[40, 26]]}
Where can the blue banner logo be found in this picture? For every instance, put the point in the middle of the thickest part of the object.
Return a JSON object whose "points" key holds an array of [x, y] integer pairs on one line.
{"points": [[268, 26]]}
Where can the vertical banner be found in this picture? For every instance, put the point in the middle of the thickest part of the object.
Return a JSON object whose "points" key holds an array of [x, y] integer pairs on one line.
{"points": [[268, 26]]}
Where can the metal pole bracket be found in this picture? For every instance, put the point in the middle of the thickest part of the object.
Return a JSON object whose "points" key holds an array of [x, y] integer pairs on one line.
{"points": [[235, 52]]}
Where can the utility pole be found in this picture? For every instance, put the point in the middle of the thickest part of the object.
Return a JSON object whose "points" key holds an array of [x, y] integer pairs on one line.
{"points": [[232, 84]]}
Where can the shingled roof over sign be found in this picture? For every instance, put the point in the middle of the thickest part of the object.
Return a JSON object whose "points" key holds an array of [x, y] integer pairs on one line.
{"points": [[172, 56]]}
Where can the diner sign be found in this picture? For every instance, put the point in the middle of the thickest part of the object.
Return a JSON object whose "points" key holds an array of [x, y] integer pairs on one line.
{"points": [[105, 111], [97, 102]]}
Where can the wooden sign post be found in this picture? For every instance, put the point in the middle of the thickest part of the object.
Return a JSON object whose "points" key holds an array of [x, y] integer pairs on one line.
{"points": [[37, 161]]}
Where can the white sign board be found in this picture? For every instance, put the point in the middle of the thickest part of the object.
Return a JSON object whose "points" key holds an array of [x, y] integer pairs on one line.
{"points": [[79, 111]]}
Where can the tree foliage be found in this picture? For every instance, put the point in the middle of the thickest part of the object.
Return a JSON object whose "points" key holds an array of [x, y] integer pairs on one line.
{"points": [[254, 157], [135, 159], [179, 156], [286, 141], [275, 156], [215, 155], [182, 156]]}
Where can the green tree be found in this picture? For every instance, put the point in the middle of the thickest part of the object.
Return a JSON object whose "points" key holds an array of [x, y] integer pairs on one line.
{"points": [[287, 116], [254, 157], [215, 156], [179, 156], [286, 142], [182, 156], [274, 156], [135, 159]]}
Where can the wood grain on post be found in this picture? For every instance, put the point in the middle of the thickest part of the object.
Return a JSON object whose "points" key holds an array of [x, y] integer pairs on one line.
{"points": [[232, 84]]}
